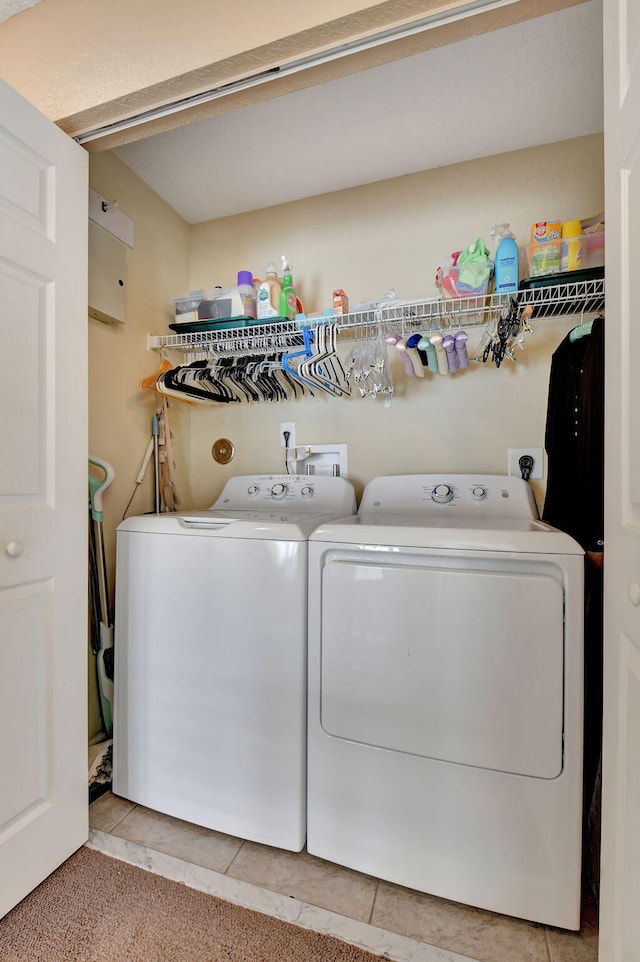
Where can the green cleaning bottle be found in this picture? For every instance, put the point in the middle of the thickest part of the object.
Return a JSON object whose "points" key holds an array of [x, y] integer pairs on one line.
{"points": [[288, 300]]}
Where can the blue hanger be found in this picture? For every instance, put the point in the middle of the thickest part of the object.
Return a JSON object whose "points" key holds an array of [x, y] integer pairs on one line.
{"points": [[307, 352]]}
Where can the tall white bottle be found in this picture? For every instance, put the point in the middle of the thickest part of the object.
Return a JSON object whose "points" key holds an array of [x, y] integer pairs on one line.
{"points": [[505, 277], [269, 295]]}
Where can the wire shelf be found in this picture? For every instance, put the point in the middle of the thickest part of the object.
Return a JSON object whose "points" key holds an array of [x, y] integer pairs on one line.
{"points": [[399, 317]]}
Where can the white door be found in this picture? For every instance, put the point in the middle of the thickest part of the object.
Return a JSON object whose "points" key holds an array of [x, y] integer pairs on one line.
{"points": [[620, 892], [43, 497]]}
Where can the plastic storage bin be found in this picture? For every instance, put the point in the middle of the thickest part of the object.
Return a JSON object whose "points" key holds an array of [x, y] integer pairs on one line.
{"points": [[450, 285], [567, 254], [219, 308], [186, 306]]}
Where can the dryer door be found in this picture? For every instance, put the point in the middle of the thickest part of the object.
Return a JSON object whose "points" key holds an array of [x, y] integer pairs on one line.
{"points": [[451, 659]]}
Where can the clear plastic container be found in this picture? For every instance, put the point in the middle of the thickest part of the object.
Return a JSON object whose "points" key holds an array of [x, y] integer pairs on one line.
{"points": [[567, 254], [448, 281], [185, 306], [219, 304]]}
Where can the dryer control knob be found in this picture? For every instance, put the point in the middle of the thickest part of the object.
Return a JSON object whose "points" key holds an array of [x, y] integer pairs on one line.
{"points": [[479, 493], [307, 492], [442, 493], [279, 490], [253, 489]]}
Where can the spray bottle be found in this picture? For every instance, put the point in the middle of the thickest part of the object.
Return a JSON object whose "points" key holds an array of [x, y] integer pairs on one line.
{"points": [[288, 300], [505, 279]]}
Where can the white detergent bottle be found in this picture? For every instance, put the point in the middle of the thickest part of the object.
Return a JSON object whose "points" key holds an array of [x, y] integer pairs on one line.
{"points": [[268, 298], [505, 278]]}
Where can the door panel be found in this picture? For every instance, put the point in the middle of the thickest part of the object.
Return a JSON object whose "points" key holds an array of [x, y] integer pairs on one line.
{"points": [[461, 665], [43, 497], [25, 701], [620, 877], [27, 191], [25, 300]]}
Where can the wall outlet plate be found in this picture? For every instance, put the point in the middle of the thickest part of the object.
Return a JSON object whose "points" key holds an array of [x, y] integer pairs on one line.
{"points": [[289, 426], [538, 462]]}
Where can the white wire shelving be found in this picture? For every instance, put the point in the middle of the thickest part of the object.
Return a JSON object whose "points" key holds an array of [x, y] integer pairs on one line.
{"points": [[392, 317]]}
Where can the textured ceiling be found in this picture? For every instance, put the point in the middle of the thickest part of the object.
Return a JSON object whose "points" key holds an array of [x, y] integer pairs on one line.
{"points": [[532, 83], [9, 8]]}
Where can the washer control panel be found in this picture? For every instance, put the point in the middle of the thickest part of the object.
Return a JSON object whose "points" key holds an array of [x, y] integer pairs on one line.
{"points": [[450, 495], [299, 493]]}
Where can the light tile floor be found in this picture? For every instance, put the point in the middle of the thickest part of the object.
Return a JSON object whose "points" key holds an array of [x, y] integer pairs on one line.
{"points": [[480, 935]]}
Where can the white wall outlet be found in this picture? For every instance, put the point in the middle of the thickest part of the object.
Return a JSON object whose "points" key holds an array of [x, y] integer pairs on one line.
{"points": [[289, 426], [538, 462]]}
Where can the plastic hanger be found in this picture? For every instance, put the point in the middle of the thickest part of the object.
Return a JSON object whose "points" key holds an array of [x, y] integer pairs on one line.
{"points": [[400, 344], [581, 330], [149, 383]]}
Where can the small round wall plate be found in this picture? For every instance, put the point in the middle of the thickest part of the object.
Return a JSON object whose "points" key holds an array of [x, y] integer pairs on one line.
{"points": [[222, 450]]}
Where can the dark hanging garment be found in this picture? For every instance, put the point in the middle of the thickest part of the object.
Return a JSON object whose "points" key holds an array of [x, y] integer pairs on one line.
{"points": [[574, 439], [574, 503]]}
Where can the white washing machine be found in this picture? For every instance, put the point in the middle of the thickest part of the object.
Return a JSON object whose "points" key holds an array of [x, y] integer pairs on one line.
{"points": [[211, 655], [445, 695]]}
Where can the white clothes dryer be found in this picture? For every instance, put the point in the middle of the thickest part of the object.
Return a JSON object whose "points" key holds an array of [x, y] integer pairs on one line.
{"points": [[210, 657], [445, 695]]}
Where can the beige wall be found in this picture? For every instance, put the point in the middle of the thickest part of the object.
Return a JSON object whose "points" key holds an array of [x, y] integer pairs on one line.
{"points": [[120, 414], [393, 234]]}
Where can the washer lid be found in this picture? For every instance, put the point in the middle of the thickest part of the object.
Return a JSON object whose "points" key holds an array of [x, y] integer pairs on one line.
{"points": [[257, 525], [459, 533], [276, 507]]}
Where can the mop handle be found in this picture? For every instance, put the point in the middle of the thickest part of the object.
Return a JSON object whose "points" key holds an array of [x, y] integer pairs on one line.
{"points": [[97, 487]]}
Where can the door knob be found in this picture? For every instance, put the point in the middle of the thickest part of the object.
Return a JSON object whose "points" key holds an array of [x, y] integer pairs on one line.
{"points": [[14, 549], [634, 594]]}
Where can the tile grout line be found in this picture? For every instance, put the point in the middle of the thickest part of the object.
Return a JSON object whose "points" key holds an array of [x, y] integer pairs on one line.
{"points": [[373, 904], [122, 817], [547, 944], [228, 868]]}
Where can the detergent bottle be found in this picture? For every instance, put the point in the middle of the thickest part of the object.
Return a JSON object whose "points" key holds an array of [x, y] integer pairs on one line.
{"points": [[288, 299], [269, 294], [505, 278]]}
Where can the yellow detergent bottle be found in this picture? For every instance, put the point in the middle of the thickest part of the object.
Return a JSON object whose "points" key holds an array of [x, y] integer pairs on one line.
{"points": [[572, 244]]}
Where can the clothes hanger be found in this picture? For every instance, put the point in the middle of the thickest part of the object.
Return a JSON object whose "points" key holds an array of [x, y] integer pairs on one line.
{"points": [[323, 368], [583, 328], [149, 383]]}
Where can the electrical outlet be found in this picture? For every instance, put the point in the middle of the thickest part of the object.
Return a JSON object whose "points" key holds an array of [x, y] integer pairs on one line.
{"points": [[538, 462], [289, 426]]}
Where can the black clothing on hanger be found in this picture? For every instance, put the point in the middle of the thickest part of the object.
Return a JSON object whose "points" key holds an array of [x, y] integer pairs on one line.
{"points": [[574, 439], [574, 502]]}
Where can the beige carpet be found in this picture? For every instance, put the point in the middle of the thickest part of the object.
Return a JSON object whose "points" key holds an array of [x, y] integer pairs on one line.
{"points": [[97, 909]]}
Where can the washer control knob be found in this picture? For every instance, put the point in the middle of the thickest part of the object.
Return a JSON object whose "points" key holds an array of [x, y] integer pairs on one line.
{"points": [[442, 493], [479, 493], [278, 490], [253, 489], [307, 492]]}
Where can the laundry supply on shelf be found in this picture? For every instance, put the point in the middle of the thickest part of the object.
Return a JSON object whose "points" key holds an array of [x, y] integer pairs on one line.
{"points": [[557, 248], [288, 299], [466, 273], [546, 248], [268, 298], [340, 303], [506, 270]]}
